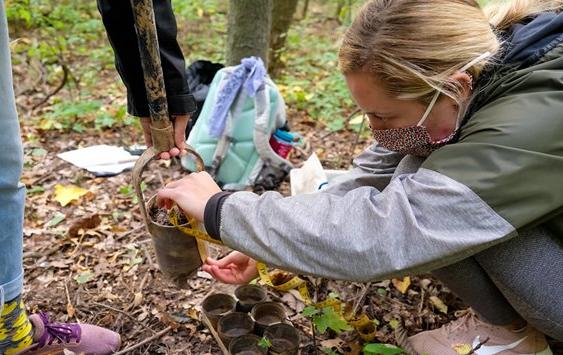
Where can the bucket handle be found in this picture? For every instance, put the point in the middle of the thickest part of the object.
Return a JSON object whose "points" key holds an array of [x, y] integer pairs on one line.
{"points": [[140, 165]]}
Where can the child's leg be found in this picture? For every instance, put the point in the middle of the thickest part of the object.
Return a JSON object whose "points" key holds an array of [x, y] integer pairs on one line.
{"points": [[15, 329]]}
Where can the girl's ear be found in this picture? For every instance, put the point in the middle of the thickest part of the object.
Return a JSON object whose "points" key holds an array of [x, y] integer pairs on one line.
{"points": [[466, 81]]}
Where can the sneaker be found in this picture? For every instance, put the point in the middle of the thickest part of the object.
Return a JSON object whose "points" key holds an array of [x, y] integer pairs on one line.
{"points": [[469, 335], [55, 338]]}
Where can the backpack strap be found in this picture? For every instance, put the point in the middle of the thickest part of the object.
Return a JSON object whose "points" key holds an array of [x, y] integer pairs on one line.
{"points": [[263, 131]]}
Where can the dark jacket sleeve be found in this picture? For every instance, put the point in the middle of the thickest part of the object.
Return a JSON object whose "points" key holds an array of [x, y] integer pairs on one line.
{"points": [[117, 17]]}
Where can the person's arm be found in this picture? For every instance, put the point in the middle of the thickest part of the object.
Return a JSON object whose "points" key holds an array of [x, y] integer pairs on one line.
{"points": [[374, 167], [117, 17], [419, 222]]}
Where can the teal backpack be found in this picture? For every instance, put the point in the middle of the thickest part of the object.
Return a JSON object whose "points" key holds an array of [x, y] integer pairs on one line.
{"points": [[241, 157]]}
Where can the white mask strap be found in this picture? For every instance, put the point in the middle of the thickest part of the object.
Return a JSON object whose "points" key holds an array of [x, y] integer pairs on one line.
{"points": [[438, 92], [429, 108]]}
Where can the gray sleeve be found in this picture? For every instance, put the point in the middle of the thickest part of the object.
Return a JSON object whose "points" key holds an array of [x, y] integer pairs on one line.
{"points": [[374, 167], [419, 222]]}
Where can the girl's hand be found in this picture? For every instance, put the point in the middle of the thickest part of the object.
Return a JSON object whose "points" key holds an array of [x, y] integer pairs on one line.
{"points": [[235, 268], [191, 193]]}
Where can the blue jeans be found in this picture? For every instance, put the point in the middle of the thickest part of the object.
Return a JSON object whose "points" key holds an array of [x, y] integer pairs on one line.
{"points": [[12, 192]]}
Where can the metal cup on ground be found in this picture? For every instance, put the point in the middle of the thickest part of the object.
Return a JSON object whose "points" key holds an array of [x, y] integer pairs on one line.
{"points": [[266, 314], [247, 345], [284, 339], [234, 325], [218, 305], [248, 296]]}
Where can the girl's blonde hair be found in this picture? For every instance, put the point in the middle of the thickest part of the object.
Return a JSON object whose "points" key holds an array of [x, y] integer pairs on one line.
{"points": [[414, 46]]}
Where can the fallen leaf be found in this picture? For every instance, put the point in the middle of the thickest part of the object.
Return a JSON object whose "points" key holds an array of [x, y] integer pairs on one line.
{"points": [[58, 218], [138, 299], [87, 222], [70, 310], [65, 194], [393, 323], [402, 285], [84, 277], [436, 302], [462, 349]]}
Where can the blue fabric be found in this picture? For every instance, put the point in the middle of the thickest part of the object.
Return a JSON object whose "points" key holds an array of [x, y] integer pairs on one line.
{"points": [[250, 74], [529, 41], [12, 193]]}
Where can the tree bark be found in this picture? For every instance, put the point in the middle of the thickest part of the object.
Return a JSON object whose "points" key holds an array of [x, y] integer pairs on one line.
{"points": [[248, 30], [305, 9], [282, 16]]}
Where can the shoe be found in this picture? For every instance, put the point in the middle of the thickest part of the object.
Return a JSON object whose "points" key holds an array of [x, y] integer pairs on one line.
{"points": [[54, 338], [469, 335]]}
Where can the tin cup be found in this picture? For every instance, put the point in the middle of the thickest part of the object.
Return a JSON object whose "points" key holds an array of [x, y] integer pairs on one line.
{"points": [[218, 305], [248, 296], [247, 345], [234, 325], [266, 314], [284, 339]]}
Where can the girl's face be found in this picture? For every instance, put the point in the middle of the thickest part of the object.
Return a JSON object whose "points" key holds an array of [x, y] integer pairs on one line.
{"points": [[384, 111]]}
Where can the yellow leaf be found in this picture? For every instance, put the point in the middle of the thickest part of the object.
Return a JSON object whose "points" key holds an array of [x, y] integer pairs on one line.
{"points": [[462, 349], [70, 310], [436, 302], [65, 194], [402, 285], [199, 12], [357, 120]]}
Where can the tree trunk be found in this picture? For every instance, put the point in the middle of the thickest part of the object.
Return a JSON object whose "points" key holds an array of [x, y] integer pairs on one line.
{"points": [[339, 6], [248, 30], [282, 16], [305, 9]]}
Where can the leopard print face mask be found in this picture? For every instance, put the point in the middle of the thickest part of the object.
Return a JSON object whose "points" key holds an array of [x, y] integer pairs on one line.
{"points": [[416, 140]]}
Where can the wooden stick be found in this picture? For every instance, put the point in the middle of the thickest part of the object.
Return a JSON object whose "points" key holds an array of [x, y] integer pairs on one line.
{"points": [[207, 323], [125, 314], [147, 340]]}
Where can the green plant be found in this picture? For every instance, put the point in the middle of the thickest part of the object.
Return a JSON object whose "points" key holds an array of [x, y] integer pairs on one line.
{"points": [[326, 318], [265, 343], [128, 191], [69, 115], [329, 351], [382, 349]]}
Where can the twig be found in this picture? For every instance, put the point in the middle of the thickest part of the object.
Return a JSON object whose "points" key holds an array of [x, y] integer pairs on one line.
{"points": [[129, 232], [125, 314], [57, 89], [360, 300], [70, 303], [147, 340], [148, 257], [38, 254], [421, 305], [315, 300], [402, 339]]}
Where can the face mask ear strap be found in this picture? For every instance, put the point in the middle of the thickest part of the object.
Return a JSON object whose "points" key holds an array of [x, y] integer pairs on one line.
{"points": [[475, 61], [435, 98], [429, 108]]}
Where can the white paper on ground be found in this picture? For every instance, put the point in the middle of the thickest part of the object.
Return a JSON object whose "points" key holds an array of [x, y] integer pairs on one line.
{"points": [[101, 159]]}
